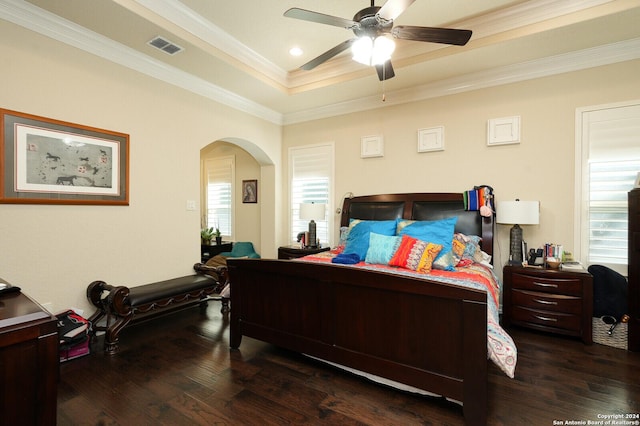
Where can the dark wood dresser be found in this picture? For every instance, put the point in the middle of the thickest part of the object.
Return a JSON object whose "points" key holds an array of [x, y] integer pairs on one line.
{"points": [[557, 301], [29, 362], [634, 270]]}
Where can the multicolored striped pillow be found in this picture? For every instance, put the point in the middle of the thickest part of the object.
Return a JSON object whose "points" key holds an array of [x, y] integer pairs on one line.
{"points": [[415, 254]]}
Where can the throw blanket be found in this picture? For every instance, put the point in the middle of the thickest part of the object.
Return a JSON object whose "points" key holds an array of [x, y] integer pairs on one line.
{"points": [[346, 259], [500, 346]]}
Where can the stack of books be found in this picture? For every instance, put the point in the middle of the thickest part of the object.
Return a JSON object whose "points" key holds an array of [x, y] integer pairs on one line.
{"points": [[572, 266], [73, 331]]}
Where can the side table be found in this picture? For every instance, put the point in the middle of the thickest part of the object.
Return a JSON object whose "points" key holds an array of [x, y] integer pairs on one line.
{"points": [[295, 251], [208, 251], [29, 362], [556, 301]]}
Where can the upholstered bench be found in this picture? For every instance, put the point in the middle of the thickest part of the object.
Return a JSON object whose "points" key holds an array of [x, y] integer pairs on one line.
{"points": [[121, 305]]}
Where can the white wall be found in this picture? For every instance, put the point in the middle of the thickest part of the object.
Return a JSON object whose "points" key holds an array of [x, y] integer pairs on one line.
{"points": [[540, 167], [54, 251]]}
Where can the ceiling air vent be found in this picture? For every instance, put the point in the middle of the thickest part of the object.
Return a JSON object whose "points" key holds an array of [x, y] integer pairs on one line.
{"points": [[165, 45]]}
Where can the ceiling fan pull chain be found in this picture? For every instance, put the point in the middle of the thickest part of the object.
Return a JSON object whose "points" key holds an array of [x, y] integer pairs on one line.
{"points": [[384, 70]]}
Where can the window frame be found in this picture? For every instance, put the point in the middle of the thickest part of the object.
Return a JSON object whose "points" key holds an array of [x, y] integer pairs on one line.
{"points": [[582, 228], [329, 217], [230, 162]]}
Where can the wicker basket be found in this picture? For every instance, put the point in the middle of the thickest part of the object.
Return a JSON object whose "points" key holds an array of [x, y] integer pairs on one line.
{"points": [[618, 339]]}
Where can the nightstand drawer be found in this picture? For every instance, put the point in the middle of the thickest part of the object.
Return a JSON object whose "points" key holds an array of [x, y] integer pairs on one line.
{"points": [[547, 301], [572, 286], [547, 318]]}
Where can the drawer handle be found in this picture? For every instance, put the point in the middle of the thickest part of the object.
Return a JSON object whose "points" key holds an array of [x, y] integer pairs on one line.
{"points": [[545, 302], [545, 284], [546, 318]]}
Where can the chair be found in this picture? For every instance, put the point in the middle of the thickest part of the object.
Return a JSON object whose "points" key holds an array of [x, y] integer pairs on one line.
{"points": [[242, 249], [609, 292]]}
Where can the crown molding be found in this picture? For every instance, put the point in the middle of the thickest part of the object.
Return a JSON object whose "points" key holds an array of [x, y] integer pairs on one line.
{"points": [[50, 25], [38, 20], [553, 65], [206, 31]]}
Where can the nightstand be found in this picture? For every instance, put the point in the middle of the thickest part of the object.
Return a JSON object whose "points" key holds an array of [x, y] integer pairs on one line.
{"points": [[556, 301], [208, 251], [295, 251]]}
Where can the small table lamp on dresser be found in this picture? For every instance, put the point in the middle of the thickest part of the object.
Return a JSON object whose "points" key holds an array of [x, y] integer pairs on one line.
{"points": [[312, 212], [517, 213]]}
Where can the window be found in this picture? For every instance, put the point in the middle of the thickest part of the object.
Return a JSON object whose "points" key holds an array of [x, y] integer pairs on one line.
{"points": [[609, 153], [220, 178], [311, 181]]}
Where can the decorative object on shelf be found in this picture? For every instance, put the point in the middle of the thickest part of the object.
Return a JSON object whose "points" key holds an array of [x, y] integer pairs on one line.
{"points": [[250, 191], [479, 198], [312, 212], [517, 213], [553, 263], [47, 161], [218, 236]]}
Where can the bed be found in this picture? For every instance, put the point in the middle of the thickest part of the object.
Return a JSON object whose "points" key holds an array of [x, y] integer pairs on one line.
{"points": [[423, 330]]}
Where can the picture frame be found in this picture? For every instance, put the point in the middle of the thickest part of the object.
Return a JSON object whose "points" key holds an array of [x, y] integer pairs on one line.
{"points": [[48, 161], [431, 139], [371, 146], [503, 131], [250, 191]]}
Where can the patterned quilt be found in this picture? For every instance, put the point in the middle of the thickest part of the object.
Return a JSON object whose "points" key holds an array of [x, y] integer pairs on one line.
{"points": [[500, 346]]}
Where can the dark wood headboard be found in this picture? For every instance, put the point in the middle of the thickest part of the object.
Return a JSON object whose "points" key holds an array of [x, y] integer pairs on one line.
{"points": [[420, 206]]}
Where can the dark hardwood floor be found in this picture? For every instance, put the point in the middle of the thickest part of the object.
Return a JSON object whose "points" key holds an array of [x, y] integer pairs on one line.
{"points": [[178, 370]]}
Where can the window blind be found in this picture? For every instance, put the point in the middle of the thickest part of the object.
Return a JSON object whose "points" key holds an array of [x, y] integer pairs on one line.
{"points": [[220, 177], [611, 162], [311, 176]]}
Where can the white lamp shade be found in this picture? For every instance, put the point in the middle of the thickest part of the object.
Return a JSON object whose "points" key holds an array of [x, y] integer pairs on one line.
{"points": [[518, 212], [312, 211]]}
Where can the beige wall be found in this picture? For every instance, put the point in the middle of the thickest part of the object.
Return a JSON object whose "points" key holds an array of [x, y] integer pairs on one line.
{"points": [[53, 252], [540, 167]]}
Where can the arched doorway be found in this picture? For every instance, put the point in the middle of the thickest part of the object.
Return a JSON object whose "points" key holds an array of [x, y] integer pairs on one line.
{"points": [[254, 222]]}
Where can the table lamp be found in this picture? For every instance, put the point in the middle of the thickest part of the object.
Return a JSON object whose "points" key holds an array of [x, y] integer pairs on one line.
{"points": [[312, 212], [517, 213]]}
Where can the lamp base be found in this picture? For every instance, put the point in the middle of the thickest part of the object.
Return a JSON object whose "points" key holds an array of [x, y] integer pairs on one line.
{"points": [[515, 244], [312, 243]]}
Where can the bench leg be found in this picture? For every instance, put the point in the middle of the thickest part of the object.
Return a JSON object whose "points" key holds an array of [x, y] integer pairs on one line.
{"points": [[111, 337], [225, 305]]}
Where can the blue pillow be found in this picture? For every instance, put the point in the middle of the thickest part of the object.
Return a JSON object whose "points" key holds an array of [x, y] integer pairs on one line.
{"points": [[434, 231], [382, 248], [358, 238]]}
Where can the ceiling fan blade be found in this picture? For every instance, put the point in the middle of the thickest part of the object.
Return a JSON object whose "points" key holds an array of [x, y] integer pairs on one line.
{"points": [[385, 71], [432, 35], [320, 18], [393, 8], [328, 54]]}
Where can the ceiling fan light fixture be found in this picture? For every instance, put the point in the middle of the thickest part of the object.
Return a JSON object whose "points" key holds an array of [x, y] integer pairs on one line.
{"points": [[368, 51], [383, 47]]}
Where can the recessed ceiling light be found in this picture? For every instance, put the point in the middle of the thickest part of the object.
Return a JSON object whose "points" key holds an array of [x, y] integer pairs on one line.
{"points": [[295, 51]]}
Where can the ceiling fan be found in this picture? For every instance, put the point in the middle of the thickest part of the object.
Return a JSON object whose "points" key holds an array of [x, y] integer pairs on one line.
{"points": [[370, 25]]}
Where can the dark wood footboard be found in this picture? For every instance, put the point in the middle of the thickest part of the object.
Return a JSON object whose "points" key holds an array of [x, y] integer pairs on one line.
{"points": [[431, 336]]}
